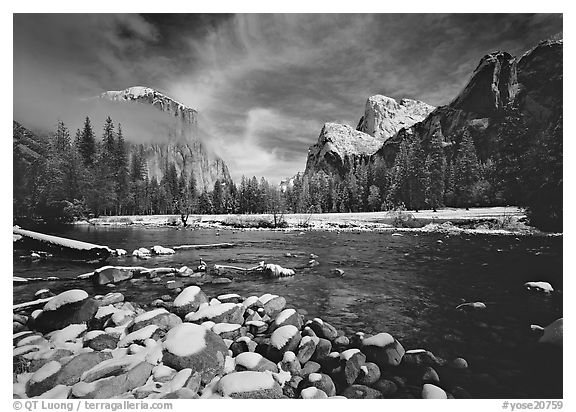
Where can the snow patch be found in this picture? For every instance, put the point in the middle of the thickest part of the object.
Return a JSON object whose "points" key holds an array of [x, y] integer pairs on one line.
{"points": [[284, 315], [381, 340], [249, 360], [185, 339], [347, 354], [250, 301], [139, 335], [282, 335], [210, 312], [187, 296], [225, 327], [248, 381], [65, 298], [149, 315], [315, 377], [267, 297], [289, 357]]}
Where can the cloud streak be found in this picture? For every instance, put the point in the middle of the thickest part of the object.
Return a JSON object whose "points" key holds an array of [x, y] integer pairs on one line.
{"points": [[265, 84]]}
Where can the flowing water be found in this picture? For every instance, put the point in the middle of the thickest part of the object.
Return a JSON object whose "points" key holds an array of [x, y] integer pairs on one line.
{"points": [[405, 285]]}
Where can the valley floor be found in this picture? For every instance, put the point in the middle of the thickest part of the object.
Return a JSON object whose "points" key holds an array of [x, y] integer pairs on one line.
{"points": [[493, 220]]}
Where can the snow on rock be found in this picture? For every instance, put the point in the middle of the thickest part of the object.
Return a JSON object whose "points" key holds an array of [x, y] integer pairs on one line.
{"points": [[282, 335], [249, 383], [65, 298], [383, 350], [381, 340], [277, 271], [385, 116], [313, 393], [265, 298], [193, 346], [285, 314], [138, 335], [222, 313], [161, 250], [185, 339], [347, 354], [544, 287], [189, 300], [430, 391], [149, 315], [285, 338], [69, 333]]}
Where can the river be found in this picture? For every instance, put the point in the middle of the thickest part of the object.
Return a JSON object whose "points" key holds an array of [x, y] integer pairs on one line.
{"points": [[405, 285]]}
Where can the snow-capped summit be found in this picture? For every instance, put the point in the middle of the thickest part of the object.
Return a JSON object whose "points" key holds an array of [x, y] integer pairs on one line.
{"points": [[151, 96]]}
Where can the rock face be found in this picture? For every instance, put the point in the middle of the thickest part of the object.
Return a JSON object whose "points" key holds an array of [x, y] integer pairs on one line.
{"points": [[183, 147], [531, 85], [338, 146], [384, 116]]}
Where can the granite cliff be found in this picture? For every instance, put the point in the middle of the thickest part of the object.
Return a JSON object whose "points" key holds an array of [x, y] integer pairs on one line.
{"points": [[178, 137]]}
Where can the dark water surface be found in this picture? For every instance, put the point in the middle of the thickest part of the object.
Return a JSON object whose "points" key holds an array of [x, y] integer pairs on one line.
{"points": [[407, 286]]}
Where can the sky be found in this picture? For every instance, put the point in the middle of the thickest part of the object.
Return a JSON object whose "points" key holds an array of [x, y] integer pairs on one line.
{"points": [[263, 84]]}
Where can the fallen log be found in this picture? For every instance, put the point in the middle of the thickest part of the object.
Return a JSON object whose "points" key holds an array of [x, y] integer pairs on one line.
{"points": [[134, 270], [209, 246], [218, 267], [75, 249]]}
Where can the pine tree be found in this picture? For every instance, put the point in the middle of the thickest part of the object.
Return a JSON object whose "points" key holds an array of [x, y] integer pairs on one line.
{"points": [[87, 144], [121, 171], [465, 171], [436, 170], [416, 176]]}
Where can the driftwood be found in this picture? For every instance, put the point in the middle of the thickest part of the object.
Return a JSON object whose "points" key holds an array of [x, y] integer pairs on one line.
{"points": [[31, 304], [210, 246], [62, 246], [217, 267], [138, 270]]}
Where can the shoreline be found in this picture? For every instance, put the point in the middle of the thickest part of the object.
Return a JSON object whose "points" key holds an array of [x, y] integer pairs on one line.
{"points": [[503, 221]]}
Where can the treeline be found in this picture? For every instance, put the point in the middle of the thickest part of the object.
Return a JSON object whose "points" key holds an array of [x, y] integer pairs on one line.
{"points": [[416, 180], [524, 169], [70, 178]]}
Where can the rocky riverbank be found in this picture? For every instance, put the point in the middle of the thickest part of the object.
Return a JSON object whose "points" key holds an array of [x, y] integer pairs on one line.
{"points": [[186, 344]]}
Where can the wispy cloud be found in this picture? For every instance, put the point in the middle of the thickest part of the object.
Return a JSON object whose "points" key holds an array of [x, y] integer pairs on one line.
{"points": [[265, 84]]}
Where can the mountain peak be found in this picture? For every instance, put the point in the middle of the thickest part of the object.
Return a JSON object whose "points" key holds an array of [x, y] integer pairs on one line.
{"points": [[385, 116]]}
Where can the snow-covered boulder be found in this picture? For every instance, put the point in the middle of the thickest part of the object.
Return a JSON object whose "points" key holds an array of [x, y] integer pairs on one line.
{"points": [[189, 300], [161, 250], [273, 304], [249, 385], [228, 330], [254, 362], [322, 382], [69, 307], [322, 329], [111, 274], [222, 313], [159, 317], [287, 317], [383, 350], [277, 271], [543, 287], [313, 393], [284, 339], [193, 346], [430, 391]]}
